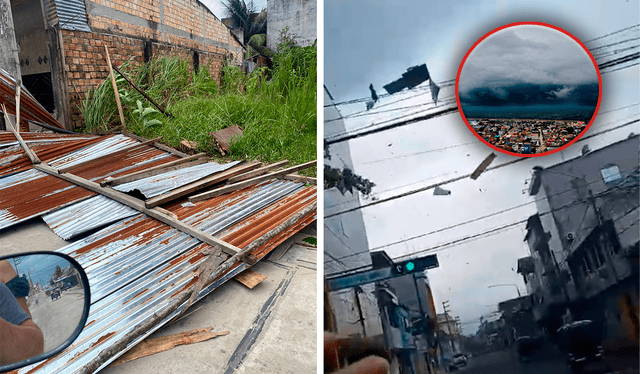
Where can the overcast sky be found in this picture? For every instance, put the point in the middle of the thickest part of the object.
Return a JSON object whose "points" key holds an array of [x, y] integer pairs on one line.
{"points": [[528, 54], [374, 42], [216, 7]]}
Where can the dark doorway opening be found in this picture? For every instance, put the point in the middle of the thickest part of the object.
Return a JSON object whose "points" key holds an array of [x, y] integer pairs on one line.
{"points": [[41, 88]]}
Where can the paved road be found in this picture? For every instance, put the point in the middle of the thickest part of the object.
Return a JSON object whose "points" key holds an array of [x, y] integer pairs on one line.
{"points": [[58, 318], [506, 362]]}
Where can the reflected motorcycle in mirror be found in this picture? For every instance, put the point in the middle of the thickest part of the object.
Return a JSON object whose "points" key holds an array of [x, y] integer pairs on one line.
{"points": [[44, 305]]}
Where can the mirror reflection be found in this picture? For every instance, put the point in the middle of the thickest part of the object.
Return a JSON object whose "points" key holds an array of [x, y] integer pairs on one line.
{"points": [[42, 300]]}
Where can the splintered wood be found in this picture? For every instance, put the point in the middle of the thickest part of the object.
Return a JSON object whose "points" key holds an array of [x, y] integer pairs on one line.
{"points": [[250, 278], [152, 346]]}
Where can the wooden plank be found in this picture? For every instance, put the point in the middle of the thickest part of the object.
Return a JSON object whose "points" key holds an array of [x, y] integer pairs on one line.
{"points": [[157, 145], [483, 165], [237, 186], [115, 86], [107, 156], [256, 172], [200, 184], [301, 178], [139, 206], [250, 278], [160, 169], [18, 85], [152, 346], [32, 156]]}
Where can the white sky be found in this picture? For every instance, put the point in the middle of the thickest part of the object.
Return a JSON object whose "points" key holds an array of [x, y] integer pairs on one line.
{"points": [[216, 7], [362, 49]]}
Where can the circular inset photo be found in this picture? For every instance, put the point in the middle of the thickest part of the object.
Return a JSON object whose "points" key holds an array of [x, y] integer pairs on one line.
{"points": [[528, 89]]}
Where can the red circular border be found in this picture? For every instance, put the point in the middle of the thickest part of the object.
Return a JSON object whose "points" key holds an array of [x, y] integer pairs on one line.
{"points": [[593, 117]]}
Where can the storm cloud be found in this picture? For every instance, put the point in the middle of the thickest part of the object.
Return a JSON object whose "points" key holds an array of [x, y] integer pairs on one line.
{"points": [[528, 64]]}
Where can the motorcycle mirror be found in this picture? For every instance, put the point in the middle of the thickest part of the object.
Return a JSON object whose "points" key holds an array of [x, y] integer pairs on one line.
{"points": [[44, 305]]}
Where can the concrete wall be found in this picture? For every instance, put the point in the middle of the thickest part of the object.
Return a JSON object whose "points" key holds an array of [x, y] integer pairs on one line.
{"points": [[29, 27], [8, 47], [299, 15], [346, 245]]}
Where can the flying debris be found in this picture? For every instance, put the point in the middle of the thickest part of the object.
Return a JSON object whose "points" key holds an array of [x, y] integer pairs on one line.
{"points": [[413, 77], [434, 91], [441, 191], [374, 97]]}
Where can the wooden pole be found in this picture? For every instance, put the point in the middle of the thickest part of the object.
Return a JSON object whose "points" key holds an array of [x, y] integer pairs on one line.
{"points": [[18, 87], [34, 158], [115, 86]]}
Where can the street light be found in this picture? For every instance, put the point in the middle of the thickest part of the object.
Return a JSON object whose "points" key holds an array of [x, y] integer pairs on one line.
{"points": [[506, 284]]}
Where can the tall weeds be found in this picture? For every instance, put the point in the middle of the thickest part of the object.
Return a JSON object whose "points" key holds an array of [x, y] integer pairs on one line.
{"points": [[275, 108]]}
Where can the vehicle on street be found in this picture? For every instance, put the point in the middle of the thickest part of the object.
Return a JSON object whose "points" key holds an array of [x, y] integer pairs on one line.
{"points": [[528, 346], [582, 343], [459, 360], [55, 294]]}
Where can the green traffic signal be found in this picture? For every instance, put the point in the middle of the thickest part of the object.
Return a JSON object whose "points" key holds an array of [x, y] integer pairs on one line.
{"points": [[410, 266]]}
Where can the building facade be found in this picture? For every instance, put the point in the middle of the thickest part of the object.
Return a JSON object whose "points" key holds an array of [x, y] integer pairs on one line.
{"points": [[584, 241], [61, 43]]}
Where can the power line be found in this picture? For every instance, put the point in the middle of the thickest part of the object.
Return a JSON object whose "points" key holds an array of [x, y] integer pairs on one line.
{"points": [[432, 186], [612, 33], [578, 202]]}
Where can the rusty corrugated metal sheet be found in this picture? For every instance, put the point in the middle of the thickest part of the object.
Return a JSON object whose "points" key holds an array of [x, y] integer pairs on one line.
{"points": [[136, 265]]}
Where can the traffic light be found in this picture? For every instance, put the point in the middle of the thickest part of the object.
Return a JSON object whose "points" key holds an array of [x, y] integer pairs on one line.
{"points": [[415, 265]]}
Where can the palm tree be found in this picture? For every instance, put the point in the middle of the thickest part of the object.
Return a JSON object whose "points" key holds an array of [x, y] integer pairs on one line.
{"points": [[246, 16]]}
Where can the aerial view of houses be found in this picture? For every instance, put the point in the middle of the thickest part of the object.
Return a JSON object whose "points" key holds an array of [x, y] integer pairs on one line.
{"points": [[527, 136]]}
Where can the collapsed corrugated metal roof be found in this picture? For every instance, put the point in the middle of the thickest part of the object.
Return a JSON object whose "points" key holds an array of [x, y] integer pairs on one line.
{"points": [[136, 264], [30, 108]]}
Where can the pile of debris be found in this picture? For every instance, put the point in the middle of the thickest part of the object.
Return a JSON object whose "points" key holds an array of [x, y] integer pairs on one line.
{"points": [[158, 229]]}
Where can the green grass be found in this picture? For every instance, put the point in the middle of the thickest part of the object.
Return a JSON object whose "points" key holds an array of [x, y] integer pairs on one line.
{"points": [[276, 109]]}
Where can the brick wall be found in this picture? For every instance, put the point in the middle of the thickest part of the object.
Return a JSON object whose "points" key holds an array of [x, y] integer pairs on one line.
{"points": [[84, 52]]}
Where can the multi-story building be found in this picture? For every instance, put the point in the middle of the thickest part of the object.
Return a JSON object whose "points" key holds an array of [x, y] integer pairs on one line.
{"points": [[584, 239]]}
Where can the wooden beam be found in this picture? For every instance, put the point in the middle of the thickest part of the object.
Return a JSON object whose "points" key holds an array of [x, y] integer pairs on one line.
{"points": [[115, 86], [237, 186], [200, 184], [301, 178], [256, 172], [158, 145], [152, 346], [139, 206], [32, 156], [107, 156], [18, 87], [160, 169]]}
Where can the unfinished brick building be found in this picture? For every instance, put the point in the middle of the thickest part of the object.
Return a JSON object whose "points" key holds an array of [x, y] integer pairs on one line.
{"points": [[61, 43]]}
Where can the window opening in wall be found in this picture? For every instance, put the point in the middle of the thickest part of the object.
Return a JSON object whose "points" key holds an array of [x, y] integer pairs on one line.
{"points": [[39, 85], [610, 173], [147, 52], [196, 61]]}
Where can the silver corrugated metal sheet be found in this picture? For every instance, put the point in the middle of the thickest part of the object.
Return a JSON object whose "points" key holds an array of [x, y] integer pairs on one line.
{"points": [[87, 215], [70, 14], [137, 265], [159, 184], [42, 196]]}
